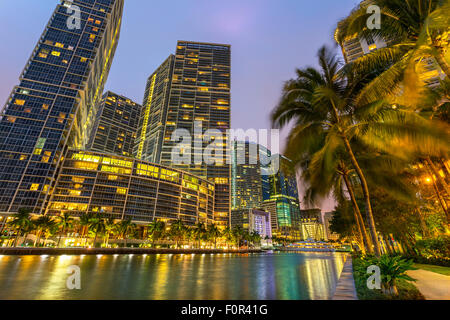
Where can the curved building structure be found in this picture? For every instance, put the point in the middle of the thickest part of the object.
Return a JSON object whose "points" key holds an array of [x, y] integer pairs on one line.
{"points": [[121, 188]]}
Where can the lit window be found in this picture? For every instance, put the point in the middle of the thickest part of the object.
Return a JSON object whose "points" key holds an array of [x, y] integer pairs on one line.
{"points": [[121, 190], [34, 187], [59, 45], [23, 157], [75, 192], [56, 53], [19, 102], [12, 119], [37, 151], [45, 159], [83, 59], [45, 106]]}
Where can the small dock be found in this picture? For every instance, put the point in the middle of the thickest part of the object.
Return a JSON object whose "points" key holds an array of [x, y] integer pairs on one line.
{"points": [[345, 289]]}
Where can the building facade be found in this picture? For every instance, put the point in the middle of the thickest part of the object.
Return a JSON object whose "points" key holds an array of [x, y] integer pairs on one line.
{"points": [[246, 175], [127, 188], [190, 91], [329, 235], [253, 220], [115, 125], [54, 105]]}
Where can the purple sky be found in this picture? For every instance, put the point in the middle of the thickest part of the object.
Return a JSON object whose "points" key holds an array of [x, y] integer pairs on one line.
{"points": [[269, 38]]}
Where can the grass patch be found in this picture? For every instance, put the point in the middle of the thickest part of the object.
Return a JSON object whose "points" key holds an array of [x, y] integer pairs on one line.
{"points": [[436, 269], [406, 290]]}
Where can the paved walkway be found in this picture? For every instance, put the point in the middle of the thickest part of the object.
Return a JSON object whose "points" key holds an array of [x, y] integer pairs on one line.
{"points": [[345, 289], [433, 286]]}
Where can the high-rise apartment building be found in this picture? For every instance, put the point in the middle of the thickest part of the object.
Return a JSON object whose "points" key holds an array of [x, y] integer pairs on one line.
{"points": [[115, 125], [246, 175], [54, 105], [190, 91]]}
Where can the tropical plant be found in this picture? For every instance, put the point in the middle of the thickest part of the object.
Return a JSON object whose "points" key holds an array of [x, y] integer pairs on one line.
{"points": [[64, 222], [321, 104], [228, 236], [392, 268], [177, 231], [124, 227], [415, 30], [239, 234], [213, 233], [96, 226], [43, 224], [199, 233], [156, 230], [20, 222], [110, 228]]}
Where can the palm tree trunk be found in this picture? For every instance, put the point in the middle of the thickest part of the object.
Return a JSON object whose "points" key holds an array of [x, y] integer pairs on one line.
{"points": [[60, 235], [358, 216], [442, 61], [423, 225], [435, 172], [369, 213], [439, 197], [17, 237]]}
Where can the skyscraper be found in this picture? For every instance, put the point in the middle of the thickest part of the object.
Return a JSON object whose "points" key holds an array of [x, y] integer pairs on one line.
{"points": [[246, 175], [115, 125], [280, 195], [54, 105], [190, 91]]}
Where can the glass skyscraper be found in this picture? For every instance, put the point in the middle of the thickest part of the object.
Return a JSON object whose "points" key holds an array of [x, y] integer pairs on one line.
{"points": [[54, 105], [190, 89], [115, 125]]}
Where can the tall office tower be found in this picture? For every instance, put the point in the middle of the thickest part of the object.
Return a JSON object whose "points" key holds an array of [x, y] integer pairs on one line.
{"points": [[190, 91], [53, 106], [282, 201], [246, 176], [115, 125]]}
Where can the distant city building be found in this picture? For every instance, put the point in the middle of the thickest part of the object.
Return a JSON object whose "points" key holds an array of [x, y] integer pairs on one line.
{"points": [[280, 198], [246, 175], [54, 105], [253, 220], [115, 125], [190, 91], [312, 227], [327, 217], [123, 187]]}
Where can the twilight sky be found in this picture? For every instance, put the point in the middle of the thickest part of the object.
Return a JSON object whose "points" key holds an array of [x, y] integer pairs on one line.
{"points": [[269, 38]]}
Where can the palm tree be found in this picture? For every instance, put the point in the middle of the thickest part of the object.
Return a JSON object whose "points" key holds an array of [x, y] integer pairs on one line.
{"points": [[65, 221], [43, 224], [124, 227], [177, 231], [199, 233], [213, 233], [156, 230], [327, 120], [228, 235], [110, 227], [84, 223], [415, 31], [21, 221], [239, 233], [96, 226]]}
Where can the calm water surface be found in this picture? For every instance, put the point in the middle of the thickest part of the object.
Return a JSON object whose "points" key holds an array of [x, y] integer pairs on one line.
{"points": [[285, 276]]}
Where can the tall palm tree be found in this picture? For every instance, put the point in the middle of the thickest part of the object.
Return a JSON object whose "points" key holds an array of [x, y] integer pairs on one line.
{"points": [[228, 235], [213, 233], [124, 227], [327, 119], [84, 223], [21, 221], [110, 228], [156, 230], [199, 233], [177, 231], [239, 234], [96, 226], [65, 221], [414, 29]]}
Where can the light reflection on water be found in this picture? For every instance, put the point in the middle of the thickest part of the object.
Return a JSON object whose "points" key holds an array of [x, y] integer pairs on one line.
{"points": [[284, 276]]}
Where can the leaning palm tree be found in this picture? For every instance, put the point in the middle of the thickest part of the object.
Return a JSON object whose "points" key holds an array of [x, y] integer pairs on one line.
{"points": [[65, 221], [327, 118], [21, 221], [415, 30]]}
